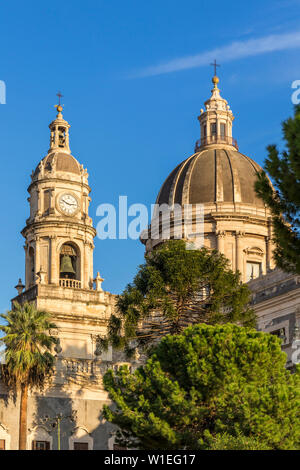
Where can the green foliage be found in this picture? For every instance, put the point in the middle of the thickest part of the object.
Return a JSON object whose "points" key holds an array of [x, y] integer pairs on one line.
{"points": [[28, 345], [240, 442], [208, 385], [174, 288], [284, 203]]}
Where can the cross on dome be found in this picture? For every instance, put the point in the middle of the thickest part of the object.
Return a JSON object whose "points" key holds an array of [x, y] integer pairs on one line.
{"points": [[215, 65]]}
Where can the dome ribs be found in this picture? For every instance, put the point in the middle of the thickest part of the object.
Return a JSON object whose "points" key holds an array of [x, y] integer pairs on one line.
{"points": [[214, 175], [236, 183], [180, 194], [219, 190]]}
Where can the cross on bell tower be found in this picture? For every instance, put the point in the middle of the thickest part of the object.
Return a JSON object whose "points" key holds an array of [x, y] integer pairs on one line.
{"points": [[59, 97]]}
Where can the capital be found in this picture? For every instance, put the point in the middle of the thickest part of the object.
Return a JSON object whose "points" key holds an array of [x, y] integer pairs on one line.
{"points": [[221, 233], [240, 234]]}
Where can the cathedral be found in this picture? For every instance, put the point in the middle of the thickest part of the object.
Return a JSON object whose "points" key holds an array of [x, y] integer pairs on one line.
{"points": [[59, 272]]}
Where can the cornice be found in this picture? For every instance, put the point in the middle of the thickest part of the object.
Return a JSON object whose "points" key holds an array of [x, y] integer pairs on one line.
{"points": [[58, 222], [57, 180]]}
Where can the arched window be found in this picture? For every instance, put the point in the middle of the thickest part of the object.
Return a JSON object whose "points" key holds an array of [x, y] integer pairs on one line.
{"points": [[39, 439], [81, 440], [213, 129], [69, 262], [61, 136]]}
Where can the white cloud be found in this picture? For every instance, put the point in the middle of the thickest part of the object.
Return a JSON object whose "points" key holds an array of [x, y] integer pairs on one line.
{"points": [[234, 51]]}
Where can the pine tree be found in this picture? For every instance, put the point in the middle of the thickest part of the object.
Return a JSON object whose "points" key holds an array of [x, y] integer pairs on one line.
{"points": [[209, 387], [284, 201], [174, 288]]}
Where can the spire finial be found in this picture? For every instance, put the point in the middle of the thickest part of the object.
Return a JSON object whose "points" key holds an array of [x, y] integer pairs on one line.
{"points": [[215, 79], [59, 106]]}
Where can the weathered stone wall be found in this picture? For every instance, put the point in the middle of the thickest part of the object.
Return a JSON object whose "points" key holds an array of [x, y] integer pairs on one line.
{"points": [[89, 426]]}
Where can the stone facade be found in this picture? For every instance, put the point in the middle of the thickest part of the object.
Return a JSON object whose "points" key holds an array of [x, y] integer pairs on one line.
{"points": [[276, 302], [59, 270], [59, 278]]}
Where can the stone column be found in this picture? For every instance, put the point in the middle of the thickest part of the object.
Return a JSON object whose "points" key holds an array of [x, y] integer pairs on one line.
{"points": [[268, 253], [39, 202], [37, 258], [27, 278], [86, 271], [51, 201], [67, 143], [85, 204], [91, 262], [269, 246], [56, 142], [221, 241], [54, 261], [208, 127], [239, 253]]}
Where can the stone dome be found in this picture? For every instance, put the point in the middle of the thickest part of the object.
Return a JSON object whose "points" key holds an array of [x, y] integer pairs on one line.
{"points": [[235, 221], [212, 175], [59, 162]]}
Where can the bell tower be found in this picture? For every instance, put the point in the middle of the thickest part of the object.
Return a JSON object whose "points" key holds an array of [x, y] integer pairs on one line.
{"points": [[59, 233], [59, 243]]}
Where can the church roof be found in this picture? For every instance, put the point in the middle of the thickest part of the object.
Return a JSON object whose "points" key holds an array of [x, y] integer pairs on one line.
{"points": [[212, 175], [60, 162], [217, 172], [64, 162]]}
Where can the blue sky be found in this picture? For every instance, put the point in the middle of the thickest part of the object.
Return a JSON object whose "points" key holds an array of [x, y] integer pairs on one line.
{"points": [[134, 76]]}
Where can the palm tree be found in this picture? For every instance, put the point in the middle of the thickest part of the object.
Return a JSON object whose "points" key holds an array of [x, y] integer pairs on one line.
{"points": [[28, 358]]}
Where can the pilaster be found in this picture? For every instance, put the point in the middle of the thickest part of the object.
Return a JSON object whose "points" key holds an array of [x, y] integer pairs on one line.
{"points": [[239, 251]]}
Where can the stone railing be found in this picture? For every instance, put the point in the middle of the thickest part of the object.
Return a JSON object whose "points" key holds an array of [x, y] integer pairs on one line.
{"points": [[79, 365], [215, 139], [70, 283], [27, 296], [78, 371], [75, 367], [85, 372]]}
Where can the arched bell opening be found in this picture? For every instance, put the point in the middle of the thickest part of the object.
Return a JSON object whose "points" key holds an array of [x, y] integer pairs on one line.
{"points": [[61, 137], [69, 262]]}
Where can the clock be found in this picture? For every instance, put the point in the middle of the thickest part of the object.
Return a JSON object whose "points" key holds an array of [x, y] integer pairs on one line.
{"points": [[68, 204]]}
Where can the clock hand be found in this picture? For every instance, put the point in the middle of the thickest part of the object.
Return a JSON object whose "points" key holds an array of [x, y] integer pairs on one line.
{"points": [[69, 203]]}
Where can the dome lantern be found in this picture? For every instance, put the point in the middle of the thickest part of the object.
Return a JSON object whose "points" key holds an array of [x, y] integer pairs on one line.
{"points": [[216, 121]]}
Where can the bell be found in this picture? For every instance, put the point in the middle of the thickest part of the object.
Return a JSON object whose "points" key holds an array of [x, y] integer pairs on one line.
{"points": [[66, 265]]}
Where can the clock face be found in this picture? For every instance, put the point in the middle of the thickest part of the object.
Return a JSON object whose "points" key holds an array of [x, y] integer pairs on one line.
{"points": [[68, 204]]}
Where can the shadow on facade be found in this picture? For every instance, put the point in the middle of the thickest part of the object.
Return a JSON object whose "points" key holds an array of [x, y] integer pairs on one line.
{"points": [[74, 394], [53, 415]]}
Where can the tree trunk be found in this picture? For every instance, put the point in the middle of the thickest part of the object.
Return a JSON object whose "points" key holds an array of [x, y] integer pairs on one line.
{"points": [[23, 417]]}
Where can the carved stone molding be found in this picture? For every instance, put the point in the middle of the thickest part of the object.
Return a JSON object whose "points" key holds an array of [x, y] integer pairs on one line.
{"points": [[254, 251]]}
